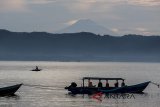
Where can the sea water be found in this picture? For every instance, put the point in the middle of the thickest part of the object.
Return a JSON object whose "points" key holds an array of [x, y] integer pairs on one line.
{"points": [[57, 75]]}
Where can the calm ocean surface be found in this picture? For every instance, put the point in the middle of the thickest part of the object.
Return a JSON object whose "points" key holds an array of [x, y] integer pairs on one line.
{"points": [[60, 74]]}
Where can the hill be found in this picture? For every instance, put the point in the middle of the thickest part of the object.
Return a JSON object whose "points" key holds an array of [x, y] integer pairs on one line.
{"points": [[81, 46]]}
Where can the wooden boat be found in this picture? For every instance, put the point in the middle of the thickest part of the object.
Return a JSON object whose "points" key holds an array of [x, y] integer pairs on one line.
{"points": [[138, 88], [9, 90]]}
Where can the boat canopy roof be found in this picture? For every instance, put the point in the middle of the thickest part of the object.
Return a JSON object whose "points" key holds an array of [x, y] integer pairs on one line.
{"points": [[99, 78]]}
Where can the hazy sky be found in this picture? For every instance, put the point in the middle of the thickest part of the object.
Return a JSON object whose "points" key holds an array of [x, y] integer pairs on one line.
{"points": [[121, 16]]}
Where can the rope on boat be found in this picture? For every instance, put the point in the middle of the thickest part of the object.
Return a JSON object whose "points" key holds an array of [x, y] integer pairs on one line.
{"points": [[155, 84], [44, 87]]}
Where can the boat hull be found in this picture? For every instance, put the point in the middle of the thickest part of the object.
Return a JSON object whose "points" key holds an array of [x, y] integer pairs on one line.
{"points": [[10, 90], [138, 88], [36, 70]]}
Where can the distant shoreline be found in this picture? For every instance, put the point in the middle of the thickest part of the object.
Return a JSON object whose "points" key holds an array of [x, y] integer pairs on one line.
{"points": [[158, 61]]}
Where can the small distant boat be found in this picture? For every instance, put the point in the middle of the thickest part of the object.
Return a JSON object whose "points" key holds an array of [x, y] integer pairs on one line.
{"points": [[138, 88], [9, 90], [36, 69]]}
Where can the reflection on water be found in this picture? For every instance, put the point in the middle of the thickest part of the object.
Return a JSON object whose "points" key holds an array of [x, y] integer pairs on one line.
{"points": [[60, 74]]}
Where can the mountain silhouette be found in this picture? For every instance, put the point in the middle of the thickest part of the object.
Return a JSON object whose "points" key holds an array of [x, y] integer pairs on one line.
{"points": [[86, 25], [83, 46]]}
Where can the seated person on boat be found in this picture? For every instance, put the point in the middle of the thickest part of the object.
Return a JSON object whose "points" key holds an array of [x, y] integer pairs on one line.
{"points": [[90, 83], [100, 83], [116, 84], [122, 84], [107, 84]]}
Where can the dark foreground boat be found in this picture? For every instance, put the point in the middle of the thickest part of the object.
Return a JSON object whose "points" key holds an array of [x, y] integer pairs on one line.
{"points": [[138, 88], [10, 90]]}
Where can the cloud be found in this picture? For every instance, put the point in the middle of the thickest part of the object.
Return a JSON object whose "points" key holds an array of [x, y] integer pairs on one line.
{"points": [[71, 22], [145, 2], [104, 6], [138, 30], [20, 5], [143, 31], [73, 5], [41, 1], [81, 5], [12, 5], [115, 30], [85, 4]]}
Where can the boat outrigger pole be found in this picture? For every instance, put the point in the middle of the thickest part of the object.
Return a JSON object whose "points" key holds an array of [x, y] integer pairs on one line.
{"points": [[156, 84]]}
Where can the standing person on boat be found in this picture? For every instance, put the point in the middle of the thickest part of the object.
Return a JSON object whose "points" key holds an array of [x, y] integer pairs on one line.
{"points": [[116, 84], [122, 84], [100, 83], [107, 84]]}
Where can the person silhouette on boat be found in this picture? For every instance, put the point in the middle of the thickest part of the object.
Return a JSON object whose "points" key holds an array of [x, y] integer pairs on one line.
{"points": [[90, 83], [73, 84], [122, 84], [100, 83], [116, 84], [37, 68], [107, 84]]}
